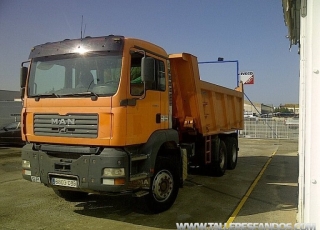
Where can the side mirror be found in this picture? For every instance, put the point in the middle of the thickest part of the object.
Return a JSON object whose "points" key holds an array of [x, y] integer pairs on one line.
{"points": [[147, 69], [23, 76]]}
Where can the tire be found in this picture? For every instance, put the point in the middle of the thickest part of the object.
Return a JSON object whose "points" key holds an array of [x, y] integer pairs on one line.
{"points": [[70, 195], [164, 186], [232, 153], [220, 165]]}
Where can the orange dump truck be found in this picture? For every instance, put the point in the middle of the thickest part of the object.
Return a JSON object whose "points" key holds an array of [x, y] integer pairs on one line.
{"points": [[114, 115]]}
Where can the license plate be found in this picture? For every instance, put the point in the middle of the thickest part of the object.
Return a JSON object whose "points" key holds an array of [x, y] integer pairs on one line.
{"points": [[64, 182]]}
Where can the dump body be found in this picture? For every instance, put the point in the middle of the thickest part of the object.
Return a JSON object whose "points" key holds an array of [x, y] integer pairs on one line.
{"points": [[202, 106]]}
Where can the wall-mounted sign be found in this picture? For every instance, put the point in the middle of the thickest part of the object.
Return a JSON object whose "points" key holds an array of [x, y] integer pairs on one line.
{"points": [[247, 77]]}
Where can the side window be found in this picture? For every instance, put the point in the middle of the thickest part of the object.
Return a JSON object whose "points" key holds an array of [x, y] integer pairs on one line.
{"points": [[160, 75], [136, 85]]}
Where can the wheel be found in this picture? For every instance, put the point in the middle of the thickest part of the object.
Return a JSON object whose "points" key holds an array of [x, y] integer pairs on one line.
{"points": [[232, 153], [70, 195], [220, 165], [164, 186]]}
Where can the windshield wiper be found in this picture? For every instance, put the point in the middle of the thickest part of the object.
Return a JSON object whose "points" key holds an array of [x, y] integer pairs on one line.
{"points": [[49, 95], [93, 95]]}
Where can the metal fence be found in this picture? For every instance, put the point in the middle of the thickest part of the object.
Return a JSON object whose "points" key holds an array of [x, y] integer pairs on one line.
{"points": [[267, 128]]}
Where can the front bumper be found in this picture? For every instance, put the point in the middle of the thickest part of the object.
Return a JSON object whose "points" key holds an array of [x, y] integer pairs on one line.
{"points": [[84, 173]]}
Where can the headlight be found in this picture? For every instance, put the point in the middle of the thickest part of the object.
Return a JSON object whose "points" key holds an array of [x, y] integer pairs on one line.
{"points": [[113, 172], [25, 164]]}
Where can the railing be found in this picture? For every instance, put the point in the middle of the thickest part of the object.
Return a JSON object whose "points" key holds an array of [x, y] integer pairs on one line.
{"points": [[270, 128]]}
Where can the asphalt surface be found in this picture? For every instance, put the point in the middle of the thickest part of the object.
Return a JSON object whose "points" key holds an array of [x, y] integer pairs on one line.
{"points": [[262, 189]]}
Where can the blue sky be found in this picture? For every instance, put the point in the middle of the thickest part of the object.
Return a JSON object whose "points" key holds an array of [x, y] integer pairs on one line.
{"points": [[250, 31]]}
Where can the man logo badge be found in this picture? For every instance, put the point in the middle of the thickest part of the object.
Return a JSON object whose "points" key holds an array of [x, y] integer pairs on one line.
{"points": [[62, 130], [62, 121]]}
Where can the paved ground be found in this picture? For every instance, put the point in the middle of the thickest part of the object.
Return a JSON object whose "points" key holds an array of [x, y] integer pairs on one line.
{"points": [[274, 199], [26, 205]]}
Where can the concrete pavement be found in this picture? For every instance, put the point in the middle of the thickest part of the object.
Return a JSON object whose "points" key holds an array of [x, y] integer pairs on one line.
{"points": [[274, 198], [204, 199]]}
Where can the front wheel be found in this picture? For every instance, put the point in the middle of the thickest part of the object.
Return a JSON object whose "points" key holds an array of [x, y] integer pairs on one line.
{"points": [[164, 186]]}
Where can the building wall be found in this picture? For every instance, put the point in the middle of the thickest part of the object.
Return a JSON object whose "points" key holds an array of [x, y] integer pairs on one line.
{"points": [[10, 111], [10, 107], [7, 95], [255, 108]]}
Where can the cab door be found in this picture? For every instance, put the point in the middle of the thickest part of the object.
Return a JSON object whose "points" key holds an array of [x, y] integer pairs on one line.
{"points": [[144, 114]]}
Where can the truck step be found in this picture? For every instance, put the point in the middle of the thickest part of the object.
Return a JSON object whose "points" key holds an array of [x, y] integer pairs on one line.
{"points": [[138, 176], [140, 193], [138, 157]]}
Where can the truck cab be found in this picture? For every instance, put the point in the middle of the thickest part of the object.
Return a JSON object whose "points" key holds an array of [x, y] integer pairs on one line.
{"points": [[95, 112]]}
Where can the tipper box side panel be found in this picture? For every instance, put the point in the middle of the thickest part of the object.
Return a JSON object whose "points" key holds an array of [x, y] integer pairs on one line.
{"points": [[223, 109], [214, 109]]}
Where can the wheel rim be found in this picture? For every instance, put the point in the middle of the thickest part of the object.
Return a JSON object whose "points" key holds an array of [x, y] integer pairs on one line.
{"points": [[222, 158], [162, 185], [234, 154]]}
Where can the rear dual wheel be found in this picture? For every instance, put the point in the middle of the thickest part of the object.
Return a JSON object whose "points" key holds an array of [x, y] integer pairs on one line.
{"points": [[232, 150], [220, 162]]}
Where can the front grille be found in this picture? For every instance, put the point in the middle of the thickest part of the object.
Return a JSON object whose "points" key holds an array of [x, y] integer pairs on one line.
{"points": [[70, 125]]}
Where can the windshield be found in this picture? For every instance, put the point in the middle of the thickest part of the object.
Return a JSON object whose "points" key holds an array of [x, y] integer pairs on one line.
{"points": [[75, 75]]}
